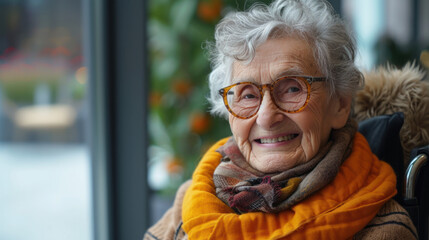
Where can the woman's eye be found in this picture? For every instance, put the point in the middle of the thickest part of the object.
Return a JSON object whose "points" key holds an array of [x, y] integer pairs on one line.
{"points": [[293, 89], [249, 96]]}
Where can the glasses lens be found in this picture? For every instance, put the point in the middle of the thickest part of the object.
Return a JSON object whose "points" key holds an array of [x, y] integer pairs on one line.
{"points": [[244, 99], [291, 93]]}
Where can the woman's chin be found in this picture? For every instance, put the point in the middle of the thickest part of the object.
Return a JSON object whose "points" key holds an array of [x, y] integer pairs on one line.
{"points": [[272, 164]]}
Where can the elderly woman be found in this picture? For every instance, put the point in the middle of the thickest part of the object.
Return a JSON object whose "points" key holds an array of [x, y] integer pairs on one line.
{"points": [[295, 168]]}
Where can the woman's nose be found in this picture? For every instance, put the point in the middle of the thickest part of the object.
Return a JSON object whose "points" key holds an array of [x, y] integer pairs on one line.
{"points": [[269, 115]]}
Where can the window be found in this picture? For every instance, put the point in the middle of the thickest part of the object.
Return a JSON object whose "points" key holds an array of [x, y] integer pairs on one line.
{"points": [[45, 180], [393, 32]]}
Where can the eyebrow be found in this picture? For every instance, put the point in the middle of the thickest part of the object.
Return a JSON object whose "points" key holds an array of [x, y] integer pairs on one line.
{"points": [[294, 71]]}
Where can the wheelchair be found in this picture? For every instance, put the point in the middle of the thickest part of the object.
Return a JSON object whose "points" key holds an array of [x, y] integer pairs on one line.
{"points": [[393, 114]]}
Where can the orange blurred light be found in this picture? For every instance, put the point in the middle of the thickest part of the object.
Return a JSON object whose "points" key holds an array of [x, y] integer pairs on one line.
{"points": [[182, 87], [200, 123], [209, 10], [155, 99], [174, 166], [81, 75]]}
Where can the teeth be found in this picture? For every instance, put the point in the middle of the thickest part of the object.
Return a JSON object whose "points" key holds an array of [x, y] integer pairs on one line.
{"points": [[279, 139]]}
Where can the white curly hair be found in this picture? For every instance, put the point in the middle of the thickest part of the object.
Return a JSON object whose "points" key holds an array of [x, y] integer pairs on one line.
{"points": [[239, 33]]}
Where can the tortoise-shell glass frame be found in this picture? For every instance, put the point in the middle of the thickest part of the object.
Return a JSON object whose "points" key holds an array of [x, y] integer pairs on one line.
{"points": [[306, 79]]}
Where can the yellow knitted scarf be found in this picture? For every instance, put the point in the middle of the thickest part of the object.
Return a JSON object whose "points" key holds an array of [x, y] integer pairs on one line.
{"points": [[337, 211]]}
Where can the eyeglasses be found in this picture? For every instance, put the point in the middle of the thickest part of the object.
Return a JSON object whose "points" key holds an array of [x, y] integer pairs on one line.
{"points": [[290, 94]]}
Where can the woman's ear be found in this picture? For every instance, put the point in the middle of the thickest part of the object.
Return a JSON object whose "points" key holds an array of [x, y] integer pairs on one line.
{"points": [[341, 111]]}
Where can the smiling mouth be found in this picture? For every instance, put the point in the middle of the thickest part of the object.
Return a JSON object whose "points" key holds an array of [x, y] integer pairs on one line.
{"points": [[278, 139]]}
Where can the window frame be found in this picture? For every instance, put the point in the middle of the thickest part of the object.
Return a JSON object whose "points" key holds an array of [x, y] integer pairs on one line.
{"points": [[115, 44]]}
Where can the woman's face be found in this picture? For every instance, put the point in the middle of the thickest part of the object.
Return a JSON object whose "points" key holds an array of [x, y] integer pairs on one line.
{"points": [[290, 139]]}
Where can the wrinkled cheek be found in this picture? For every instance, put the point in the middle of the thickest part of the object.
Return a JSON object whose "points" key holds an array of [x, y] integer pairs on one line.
{"points": [[243, 144], [241, 130], [246, 150], [311, 143]]}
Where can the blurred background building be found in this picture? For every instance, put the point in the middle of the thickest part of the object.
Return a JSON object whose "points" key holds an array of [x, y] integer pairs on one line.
{"points": [[62, 170], [44, 156]]}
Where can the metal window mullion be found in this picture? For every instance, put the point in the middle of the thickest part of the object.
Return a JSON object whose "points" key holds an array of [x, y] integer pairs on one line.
{"points": [[130, 87], [116, 47]]}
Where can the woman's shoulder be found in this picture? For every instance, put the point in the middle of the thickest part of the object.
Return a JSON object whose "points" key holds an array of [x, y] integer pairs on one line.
{"points": [[391, 222]]}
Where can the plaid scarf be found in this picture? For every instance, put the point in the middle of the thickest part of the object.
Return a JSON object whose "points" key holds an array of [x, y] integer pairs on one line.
{"points": [[245, 189]]}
